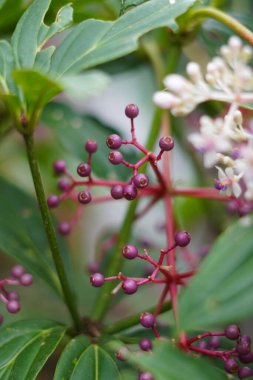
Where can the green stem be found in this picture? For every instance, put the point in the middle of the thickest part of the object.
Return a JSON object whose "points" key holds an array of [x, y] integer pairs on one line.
{"points": [[224, 18], [49, 229], [133, 320]]}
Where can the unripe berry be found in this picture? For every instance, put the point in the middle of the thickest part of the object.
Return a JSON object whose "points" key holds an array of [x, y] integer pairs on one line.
{"points": [[145, 376], [231, 366], [63, 184], [203, 345], [244, 372], [91, 146], [83, 169], [145, 344], [117, 192], [26, 279], [147, 320], [244, 345], [182, 238], [13, 296], [13, 306], [166, 143], [130, 192], [214, 342], [114, 141], [129, 251], [17, 271], [64, 228], [122, 354], [232, 332], [141, 181], [97, 280], [129, 286], [53, 201], [247, 358], [115, 158], [84, 197], [59, 166], [131, 111]]}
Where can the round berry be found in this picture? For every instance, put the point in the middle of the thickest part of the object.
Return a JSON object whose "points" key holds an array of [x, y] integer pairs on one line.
{"points": [[232, 332], [122, 354], [203, 345], [166, 143], [63, 184], [231, 366], [13, 306], [232, 206], [147, 320], [129, 286], [145, 344], [59, 166], [84, 197], [64, 228], [130, 192], [97, 280], [131, 111], [247, 358], [114, 142], [145, 376], [115, 158], [91, 146], [13, 296], [17, 271], [214, 342], [141, 181], [53, 201], [129, 251], [117, 192], [26, 279], [83, 169], [245, 372], [244, 345], [182, 238]]}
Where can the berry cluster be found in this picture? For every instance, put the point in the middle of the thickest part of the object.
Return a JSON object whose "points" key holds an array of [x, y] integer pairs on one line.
{"points": [[18, 276]]}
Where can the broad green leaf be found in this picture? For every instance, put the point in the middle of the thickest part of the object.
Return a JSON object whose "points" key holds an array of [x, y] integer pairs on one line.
{"points": [[219, 293], [43, 59], [169, 363], [25, 37], [79, 359], [6, 66], [2, 3], [25, 346], [93, 42], [132, 3], [247, 105], [24, 240]]}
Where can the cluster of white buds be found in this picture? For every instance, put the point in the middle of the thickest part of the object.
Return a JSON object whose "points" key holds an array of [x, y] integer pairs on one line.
{"points": [[228, 78]]}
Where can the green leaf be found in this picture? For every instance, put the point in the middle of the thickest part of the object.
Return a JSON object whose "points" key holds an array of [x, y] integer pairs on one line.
{"points": [[93, 42], [25, 346], [24, 240], [2, 3], [78, 359], [6, 66], [25, 37], [169, 363], [247, 105], [219, 293]]}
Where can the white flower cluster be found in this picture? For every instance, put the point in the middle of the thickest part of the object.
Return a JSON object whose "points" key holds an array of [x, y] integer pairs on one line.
{"points": [[224, 142]]}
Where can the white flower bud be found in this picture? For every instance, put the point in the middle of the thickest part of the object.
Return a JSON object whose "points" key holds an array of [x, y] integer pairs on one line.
{"points": [[193, 71], [225, 52], [165, 100], [176, 83], [246, 53], [237, 116], [235, 43]]}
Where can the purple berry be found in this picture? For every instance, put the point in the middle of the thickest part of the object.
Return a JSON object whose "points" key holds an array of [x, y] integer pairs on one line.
{"points": [[141, 181], [203, 345], [131, 111], [97, 280], [53, 201], [145, 344], [247, 358], [26, 279], [122, 354], [59, 166], [145, 376], [129, 286], [13, 296], [166, 143], [115, 158], [245, 372], [13, 306], [1, 319], [214, 342], [232, 206], [84, 197], [232, 332], [63, 184], [91, 146], [64, 228], [244, 345], [114, 142], [231, 366], [93, 267], [147, 320], [130, 192], [129, 251], [117, 192], [17, 271], [182, 238], [83, 169]]}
